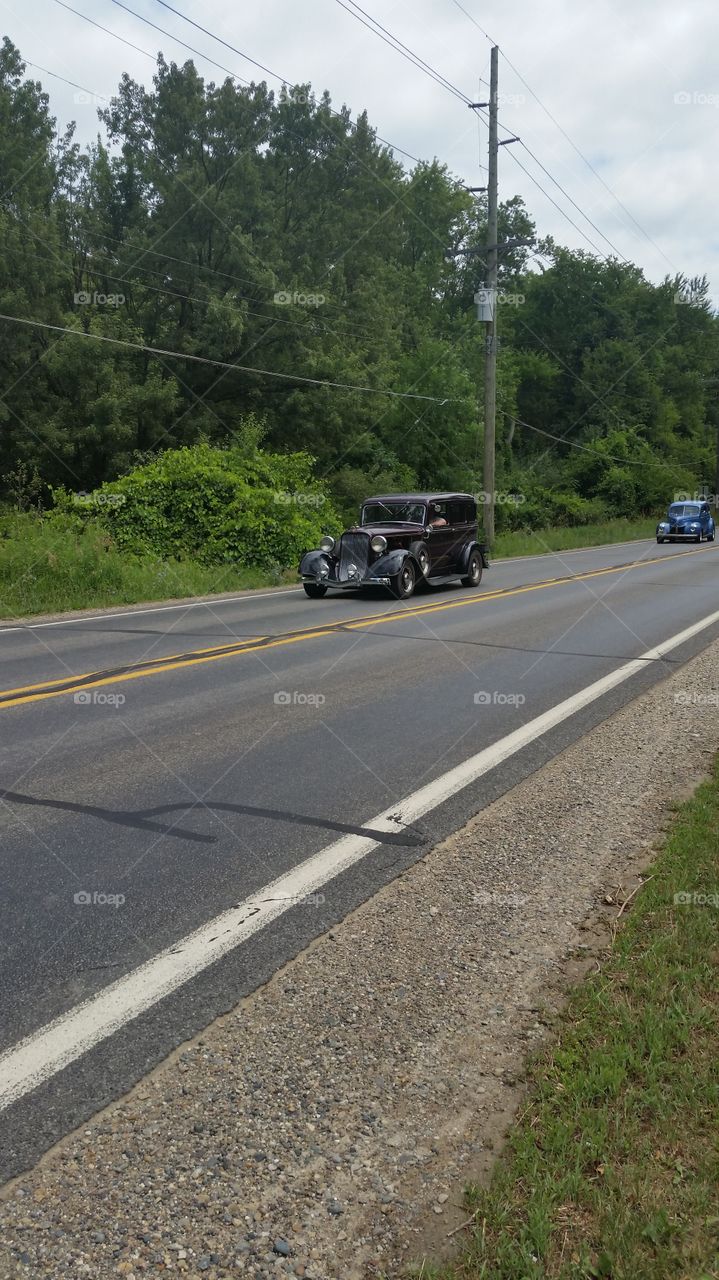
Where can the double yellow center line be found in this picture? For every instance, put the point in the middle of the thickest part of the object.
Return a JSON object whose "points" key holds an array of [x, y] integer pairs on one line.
{"points": [[195, 657]]}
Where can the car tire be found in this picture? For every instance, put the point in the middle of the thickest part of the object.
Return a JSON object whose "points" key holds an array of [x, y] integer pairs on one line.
{"points": [[473, 576], [698, 538], [711, 536], [404, 584], [314, 590], [661, 541]]}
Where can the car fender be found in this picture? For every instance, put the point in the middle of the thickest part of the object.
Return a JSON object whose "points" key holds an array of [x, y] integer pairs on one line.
{"points": [[391, 562], [311, 561], [467, 551]]}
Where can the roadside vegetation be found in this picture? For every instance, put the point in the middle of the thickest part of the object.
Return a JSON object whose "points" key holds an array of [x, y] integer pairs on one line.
{"points": [[527, 542], [612, 1172], [73, 559]]}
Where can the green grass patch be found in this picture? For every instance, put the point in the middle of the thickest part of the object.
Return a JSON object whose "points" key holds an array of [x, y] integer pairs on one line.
{"points": [[521, 543], [63, 562], [613, 1170]]}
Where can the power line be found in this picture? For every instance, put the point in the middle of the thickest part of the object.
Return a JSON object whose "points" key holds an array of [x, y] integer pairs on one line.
{"points": [[224, 364], [191, 297], [607, 457], [571, 142], [275, 74], [395, 43], [103, 235], [573, 202], [136, 266], [72, 84], [406, 52], [99, 26], [553, 201]]}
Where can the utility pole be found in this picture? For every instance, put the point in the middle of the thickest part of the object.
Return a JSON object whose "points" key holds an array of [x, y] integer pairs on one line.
{"points": [[490, 352], [486, 298]]}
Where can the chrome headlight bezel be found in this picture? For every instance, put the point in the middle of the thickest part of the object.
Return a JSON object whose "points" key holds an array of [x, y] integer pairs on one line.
{"points": [[379, 544], [327, 544]]}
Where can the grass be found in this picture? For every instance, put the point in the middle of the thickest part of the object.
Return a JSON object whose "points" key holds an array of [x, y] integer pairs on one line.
{"points": [[613, 1169], [51, 565], [48, 566], [564, 539]]}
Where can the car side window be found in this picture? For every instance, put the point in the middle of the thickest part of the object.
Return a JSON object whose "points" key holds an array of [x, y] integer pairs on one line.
{"points": [[457, 513], [438, 516]]}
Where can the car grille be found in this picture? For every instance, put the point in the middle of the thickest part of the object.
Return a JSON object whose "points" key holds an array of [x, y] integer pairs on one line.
{"points": [[354, 550]]}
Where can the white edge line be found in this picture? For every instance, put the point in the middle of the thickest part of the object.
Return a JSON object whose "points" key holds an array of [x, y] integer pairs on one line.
{"points": [[51, 1048]]}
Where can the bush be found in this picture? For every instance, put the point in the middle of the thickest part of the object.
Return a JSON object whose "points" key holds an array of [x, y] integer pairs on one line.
{"points": [[218, 506]]}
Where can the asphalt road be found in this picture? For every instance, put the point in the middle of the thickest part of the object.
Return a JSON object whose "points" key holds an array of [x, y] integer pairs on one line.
{"points": [[169, 763]]}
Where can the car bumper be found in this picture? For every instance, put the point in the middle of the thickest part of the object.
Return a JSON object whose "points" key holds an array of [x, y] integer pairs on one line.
{"points": [[348, 584]]}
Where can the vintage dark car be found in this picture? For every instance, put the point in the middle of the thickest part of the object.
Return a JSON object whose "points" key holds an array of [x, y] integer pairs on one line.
{"points": [[400, 541], [684, 521]]}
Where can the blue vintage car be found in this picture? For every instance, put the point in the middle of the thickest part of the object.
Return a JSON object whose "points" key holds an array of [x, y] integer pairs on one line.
{"points": [[686, 521]]}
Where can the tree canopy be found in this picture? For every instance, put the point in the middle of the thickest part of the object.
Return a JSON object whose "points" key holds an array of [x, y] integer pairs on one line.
{"points": [[274, 232]]}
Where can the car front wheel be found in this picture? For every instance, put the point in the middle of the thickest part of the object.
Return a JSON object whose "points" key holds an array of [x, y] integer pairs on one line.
{"points": [[660, 541], [711, 536], [314, 590], [404, 584], [473, 576]]}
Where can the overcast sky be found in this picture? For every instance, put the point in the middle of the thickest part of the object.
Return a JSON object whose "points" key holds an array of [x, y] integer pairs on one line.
{"points": [[635, 87]]}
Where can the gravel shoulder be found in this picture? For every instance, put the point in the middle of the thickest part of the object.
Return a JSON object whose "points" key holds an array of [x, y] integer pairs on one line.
{"points": [[327, 1126]]}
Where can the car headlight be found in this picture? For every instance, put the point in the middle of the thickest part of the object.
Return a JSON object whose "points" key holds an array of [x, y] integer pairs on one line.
{"points": [[327, 544], [379, 543], [663, 524]]}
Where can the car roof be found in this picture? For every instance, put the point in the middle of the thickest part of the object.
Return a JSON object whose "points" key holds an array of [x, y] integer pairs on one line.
{"points": [[419, 497]]}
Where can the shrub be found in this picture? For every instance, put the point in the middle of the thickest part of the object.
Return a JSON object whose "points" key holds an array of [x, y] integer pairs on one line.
{"points": [[218, 506]]}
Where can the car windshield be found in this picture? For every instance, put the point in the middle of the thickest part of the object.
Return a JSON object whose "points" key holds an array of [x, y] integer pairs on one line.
{"points": [[393, 513], [684, 509]]}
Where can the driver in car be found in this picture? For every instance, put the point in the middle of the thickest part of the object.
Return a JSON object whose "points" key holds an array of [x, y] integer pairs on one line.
{"points": [[438, 519]]}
